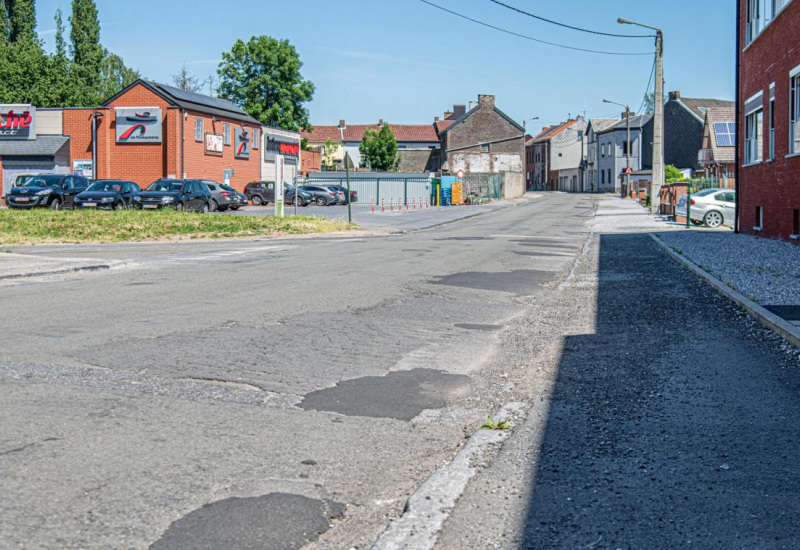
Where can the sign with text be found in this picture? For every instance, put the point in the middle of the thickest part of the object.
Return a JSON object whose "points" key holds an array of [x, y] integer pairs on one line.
{"points": [[83, 168], [213, 144], [279, 189], [282, 146], [242, 143], [139, 125], [17, 121]]}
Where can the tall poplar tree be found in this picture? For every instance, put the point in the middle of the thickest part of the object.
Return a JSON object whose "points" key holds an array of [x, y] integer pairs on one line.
{"points": [[22, 18], [87, 53]]}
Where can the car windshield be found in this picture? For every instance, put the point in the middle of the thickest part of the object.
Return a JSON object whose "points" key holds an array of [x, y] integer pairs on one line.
{"points": [[165, 186], [106, 186], [228, 188], [43, 181]]}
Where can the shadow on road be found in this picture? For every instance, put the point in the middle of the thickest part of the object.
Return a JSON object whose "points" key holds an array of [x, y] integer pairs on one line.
{"points": [[673, 425]]}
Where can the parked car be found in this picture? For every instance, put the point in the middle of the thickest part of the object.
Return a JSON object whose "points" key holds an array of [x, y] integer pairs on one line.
{"points": [[712, 207], [178, 194], [260, 192], [322, 195], [21, 179], [220, 198], [237, 199], [108, 194], [304, 198], [54, 191], [343, 190]]}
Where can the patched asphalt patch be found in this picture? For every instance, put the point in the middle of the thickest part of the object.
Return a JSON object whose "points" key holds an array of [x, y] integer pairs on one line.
{"points": [[401, 395], [274, 521], [520, 281], [485, 328]]}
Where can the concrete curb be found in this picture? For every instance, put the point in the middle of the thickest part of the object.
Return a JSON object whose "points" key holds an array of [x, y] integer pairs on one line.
{"points": [[47, 273], [433, 501], [771, 321]]}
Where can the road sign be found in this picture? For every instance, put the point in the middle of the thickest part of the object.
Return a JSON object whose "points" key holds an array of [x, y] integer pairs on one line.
{"points": [[460, 174], [628, 171]]}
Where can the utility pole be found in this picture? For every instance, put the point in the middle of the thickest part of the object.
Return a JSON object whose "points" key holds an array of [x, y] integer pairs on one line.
{"points": [[658, 118]]}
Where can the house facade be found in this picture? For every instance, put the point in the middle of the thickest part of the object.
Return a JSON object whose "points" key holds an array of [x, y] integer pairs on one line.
{"points": [[592, 172], [555, 150], [717, 158], [486, 141], [769, 118], [612, 151]]}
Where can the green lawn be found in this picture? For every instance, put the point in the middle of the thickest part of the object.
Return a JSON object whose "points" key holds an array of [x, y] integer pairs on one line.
{"points": [[91, 226]]}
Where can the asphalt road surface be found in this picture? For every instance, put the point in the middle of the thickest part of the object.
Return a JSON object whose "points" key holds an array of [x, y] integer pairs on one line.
{"points": [[295, 393]]}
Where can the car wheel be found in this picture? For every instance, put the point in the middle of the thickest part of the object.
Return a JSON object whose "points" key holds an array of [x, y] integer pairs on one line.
{"points": [[321, 201], [206, 208], [119, 206], [179, 207], [213, 206], [256, 200], [713, 219], [56, 204]]}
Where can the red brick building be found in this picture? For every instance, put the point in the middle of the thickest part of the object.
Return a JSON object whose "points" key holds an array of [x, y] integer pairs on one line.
{"points": [[769, 118]]}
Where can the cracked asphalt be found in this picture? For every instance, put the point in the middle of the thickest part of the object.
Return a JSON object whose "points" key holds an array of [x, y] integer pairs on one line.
{"points": [[223, 383]]}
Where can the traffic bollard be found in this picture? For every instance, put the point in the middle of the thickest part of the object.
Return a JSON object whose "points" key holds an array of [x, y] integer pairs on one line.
{"points": [[383, 206], [373, 206], [391, 204]]}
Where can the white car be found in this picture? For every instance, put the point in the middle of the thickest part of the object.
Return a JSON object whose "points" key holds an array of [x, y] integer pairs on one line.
{"points": [[712, 207]]}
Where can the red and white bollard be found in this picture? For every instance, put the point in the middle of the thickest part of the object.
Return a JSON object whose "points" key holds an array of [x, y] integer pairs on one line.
{"points": [[406, 204], [383, 206], [414, 202], [391, 204], [373, 206]]}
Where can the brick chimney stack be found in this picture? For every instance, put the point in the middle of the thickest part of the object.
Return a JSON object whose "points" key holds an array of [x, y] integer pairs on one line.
{"points": [[486, 100], [341, 123], [674, 95]]}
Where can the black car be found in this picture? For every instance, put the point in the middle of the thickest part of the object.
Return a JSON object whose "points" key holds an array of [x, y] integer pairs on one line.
{"points": [[237, 199], [108, 194], [343, 190], [54, 191], [263, 192], [323, 196], [178, 194]]}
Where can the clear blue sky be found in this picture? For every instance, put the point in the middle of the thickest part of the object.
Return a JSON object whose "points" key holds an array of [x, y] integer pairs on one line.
{"points": [[407, 62]]}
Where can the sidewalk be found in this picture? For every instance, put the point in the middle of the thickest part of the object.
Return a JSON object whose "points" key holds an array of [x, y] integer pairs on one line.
{"points": [[17, 266]]}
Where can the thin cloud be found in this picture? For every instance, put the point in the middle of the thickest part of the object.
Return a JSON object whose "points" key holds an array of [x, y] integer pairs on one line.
{"points": [[47, 32]]}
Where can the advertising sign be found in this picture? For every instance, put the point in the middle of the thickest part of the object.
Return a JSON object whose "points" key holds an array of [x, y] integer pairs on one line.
{"points": [[83, 168], [139, 125], [242, 143], [279, 189], [282, 146], [17, 122], [213, 144]]}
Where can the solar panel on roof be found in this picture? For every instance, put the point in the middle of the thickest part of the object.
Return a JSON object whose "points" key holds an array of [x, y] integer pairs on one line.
{"points": [[191, 97], [726, 133]]}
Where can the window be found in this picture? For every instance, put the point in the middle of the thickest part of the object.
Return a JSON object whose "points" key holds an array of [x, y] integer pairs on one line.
{"points": [[753, 130], [226, 134], [625, 146], [484, 147], [602, 150], [759, 218], [794, 113], [198, 129], [759, 15], [255, 138], [602, 176], [771, 153]]}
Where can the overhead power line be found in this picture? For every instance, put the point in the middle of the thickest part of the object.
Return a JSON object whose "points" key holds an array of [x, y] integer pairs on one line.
{"points": [[647, 89], [540, 18], [530, 37]]}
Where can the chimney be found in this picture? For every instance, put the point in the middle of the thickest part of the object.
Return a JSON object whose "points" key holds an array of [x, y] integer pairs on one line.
{"points": [[341, 123], [674, 95], [380, 122], [436, 119], [459, 110], [448, 114], [485, 100]]}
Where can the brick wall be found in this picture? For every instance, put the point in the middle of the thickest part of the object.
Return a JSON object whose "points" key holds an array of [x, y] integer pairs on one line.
{"points": [[775, 186]]}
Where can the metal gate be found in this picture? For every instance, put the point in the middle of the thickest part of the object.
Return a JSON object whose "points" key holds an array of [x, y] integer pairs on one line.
{"points": [[371, 186]]}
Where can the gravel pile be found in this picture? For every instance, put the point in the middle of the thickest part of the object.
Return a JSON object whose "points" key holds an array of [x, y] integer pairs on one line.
{"points": [[764, 270]]}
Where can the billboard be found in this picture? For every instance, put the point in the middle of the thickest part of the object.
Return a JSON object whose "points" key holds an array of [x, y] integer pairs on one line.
{"points": [[17, 122], [139, 125], [213, 144], [242, 143], [281, 145]]}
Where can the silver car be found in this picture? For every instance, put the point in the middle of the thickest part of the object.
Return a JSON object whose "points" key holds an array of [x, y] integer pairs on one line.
{"points": [[712, 207], [220, 198]]}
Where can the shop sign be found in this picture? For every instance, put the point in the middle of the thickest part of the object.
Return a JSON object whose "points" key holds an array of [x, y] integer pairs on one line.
{"points": [[139, 125], [17, 122], [213, 144], [242, 143], [278, 146], [83, 168]]}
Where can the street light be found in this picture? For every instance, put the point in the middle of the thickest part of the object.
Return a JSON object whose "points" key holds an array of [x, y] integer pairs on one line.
{"points": [[524, 147], [658, 116], [628, 146]]}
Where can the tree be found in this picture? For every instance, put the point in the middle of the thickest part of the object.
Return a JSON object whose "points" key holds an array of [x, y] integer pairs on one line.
{"points": [[187, 80], [328, 156], [672, 173], [115, 75], [21, 20], [650, 104], [87, 53], [379, 149], [5, 23], [263, 77]]}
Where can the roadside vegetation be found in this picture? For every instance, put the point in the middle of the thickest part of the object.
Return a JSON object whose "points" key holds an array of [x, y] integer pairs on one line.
{"points": [[91, 226]]}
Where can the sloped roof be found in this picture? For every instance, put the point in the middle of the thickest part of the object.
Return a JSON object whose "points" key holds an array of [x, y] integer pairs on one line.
{"points": [[600, 124], [476, 108], [191, 101], [720, 114], [442, 125], [553, 131], [698, 106], [636, 122], [42, 146], [424, 133]]}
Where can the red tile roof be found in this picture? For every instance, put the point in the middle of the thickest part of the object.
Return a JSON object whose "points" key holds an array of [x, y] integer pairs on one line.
{"points": [[424, 133], [554, 131], [443, 124]]}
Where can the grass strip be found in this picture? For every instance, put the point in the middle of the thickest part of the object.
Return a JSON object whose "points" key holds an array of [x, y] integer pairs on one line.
{"points": [[41, 226]]}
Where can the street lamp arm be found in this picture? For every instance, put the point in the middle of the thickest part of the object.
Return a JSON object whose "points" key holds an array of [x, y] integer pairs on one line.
{"points": [[623, 21]]}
